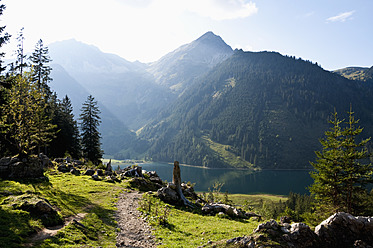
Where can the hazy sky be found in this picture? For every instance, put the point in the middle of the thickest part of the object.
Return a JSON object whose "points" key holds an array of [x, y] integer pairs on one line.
{"points": [[334, 33]]}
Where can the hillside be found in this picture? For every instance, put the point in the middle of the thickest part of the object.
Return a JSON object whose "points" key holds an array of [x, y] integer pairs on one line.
{"points": [[266, 109], [356, 73]]}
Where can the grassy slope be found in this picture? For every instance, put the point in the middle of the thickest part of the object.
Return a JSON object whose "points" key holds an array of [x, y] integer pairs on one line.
{"points": [[229, 157], [80, 194], [71, 195]]}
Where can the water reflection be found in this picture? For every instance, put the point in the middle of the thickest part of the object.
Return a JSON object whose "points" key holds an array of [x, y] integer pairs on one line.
{"points": [[239, 181]]}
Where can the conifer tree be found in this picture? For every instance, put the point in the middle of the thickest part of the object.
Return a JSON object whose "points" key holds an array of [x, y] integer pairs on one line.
{"points": [[4, 38], [24, 117], [90, 121], [20, 62], [40, 67], [340, 177], [67, 139]]}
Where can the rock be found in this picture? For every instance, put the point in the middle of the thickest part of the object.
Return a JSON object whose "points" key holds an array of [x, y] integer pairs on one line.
{"points": [[63, 168], [45, 161], [215, 208], [38, 207], [153, 176], [89, 172], [343, 229], [108, 173], [75, 172], [15, 168], [171, 186], [95, 177], [134, 172], [301, 235], [100, 172], [285, 219], [168, 195]]}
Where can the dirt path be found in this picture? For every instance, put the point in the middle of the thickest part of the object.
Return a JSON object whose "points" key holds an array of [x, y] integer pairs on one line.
{"points": [[134, 231]]}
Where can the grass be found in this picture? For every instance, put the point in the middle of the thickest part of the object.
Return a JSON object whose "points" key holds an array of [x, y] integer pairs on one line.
{"points": [[189, 228], [228, 157], [80, 194], [71, 195]]}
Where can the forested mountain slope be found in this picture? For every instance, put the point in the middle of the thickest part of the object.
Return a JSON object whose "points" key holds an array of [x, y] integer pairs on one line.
{"points": [[261, 109]]}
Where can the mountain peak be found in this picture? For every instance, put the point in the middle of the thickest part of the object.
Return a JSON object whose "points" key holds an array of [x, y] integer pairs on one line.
{"points": [[212, 39]]}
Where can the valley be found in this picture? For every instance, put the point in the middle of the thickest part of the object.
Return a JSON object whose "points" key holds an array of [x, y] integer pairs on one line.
{"points": [[207, 105]]}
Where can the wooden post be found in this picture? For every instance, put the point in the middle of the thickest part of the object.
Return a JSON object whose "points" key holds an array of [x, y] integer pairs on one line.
{"points": [[176, 179]]}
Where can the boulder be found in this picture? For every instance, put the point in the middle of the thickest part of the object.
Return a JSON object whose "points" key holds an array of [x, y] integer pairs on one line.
{"points": [[215, 208], [74, 171], [134, 172], [169, 195], [38, 207], [15, 168], [100, 172], [45, 161], [63, 168], [95, 177], [343, 230], [89, 172]]}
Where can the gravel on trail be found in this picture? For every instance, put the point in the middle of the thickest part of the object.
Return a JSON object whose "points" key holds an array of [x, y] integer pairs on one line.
{"points": [[134, 230]]}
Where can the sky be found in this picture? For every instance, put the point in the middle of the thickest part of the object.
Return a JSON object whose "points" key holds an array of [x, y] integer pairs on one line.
{"points": [[333, 33]]}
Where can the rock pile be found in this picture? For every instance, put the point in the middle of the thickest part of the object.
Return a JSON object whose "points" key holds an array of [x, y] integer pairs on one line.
{"points": [[169, 194], [339, 230], [23, 168]]}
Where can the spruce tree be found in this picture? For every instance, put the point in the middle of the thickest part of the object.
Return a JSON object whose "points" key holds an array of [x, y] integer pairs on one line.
{"points": [[90, 121], [40, 67], [4, 38], [67, 139], [20, 62], [340, 177]]}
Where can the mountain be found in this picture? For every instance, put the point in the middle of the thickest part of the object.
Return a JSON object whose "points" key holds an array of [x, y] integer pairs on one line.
{"points": [[128, 93], [256, 110], [178, 69], [123, 87], [356, 73]]}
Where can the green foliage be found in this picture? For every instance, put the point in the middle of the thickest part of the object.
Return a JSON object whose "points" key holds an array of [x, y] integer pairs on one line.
{"points": [[4, 38], [67, 139], [156, 212], [90, 121], [252, 109], [340, 177], [297, 207], [25, 120], [40, 67]]}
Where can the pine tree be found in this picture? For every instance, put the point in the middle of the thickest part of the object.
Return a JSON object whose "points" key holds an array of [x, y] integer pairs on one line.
{"points": [[67, 139], [339, 177], [20, 62], [40, 64], [90, 121], [4, 38], [24, 117]]}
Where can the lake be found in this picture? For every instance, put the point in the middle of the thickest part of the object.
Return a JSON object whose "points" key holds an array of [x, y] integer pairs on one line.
{"points": [[279, 182]]}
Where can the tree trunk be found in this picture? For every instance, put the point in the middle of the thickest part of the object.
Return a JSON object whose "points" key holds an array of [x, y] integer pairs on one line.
{"points": [[176, 179]]}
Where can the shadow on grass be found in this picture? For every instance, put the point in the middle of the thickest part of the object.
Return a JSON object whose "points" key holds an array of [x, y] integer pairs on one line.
{"points": [[16, 226]]}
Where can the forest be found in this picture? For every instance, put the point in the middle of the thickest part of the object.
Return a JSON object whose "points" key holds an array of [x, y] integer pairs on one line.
{"points": [[33, 119]]}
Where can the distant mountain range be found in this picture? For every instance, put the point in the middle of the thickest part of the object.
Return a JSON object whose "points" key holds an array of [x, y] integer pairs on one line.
{"points": [[207, 105]]}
